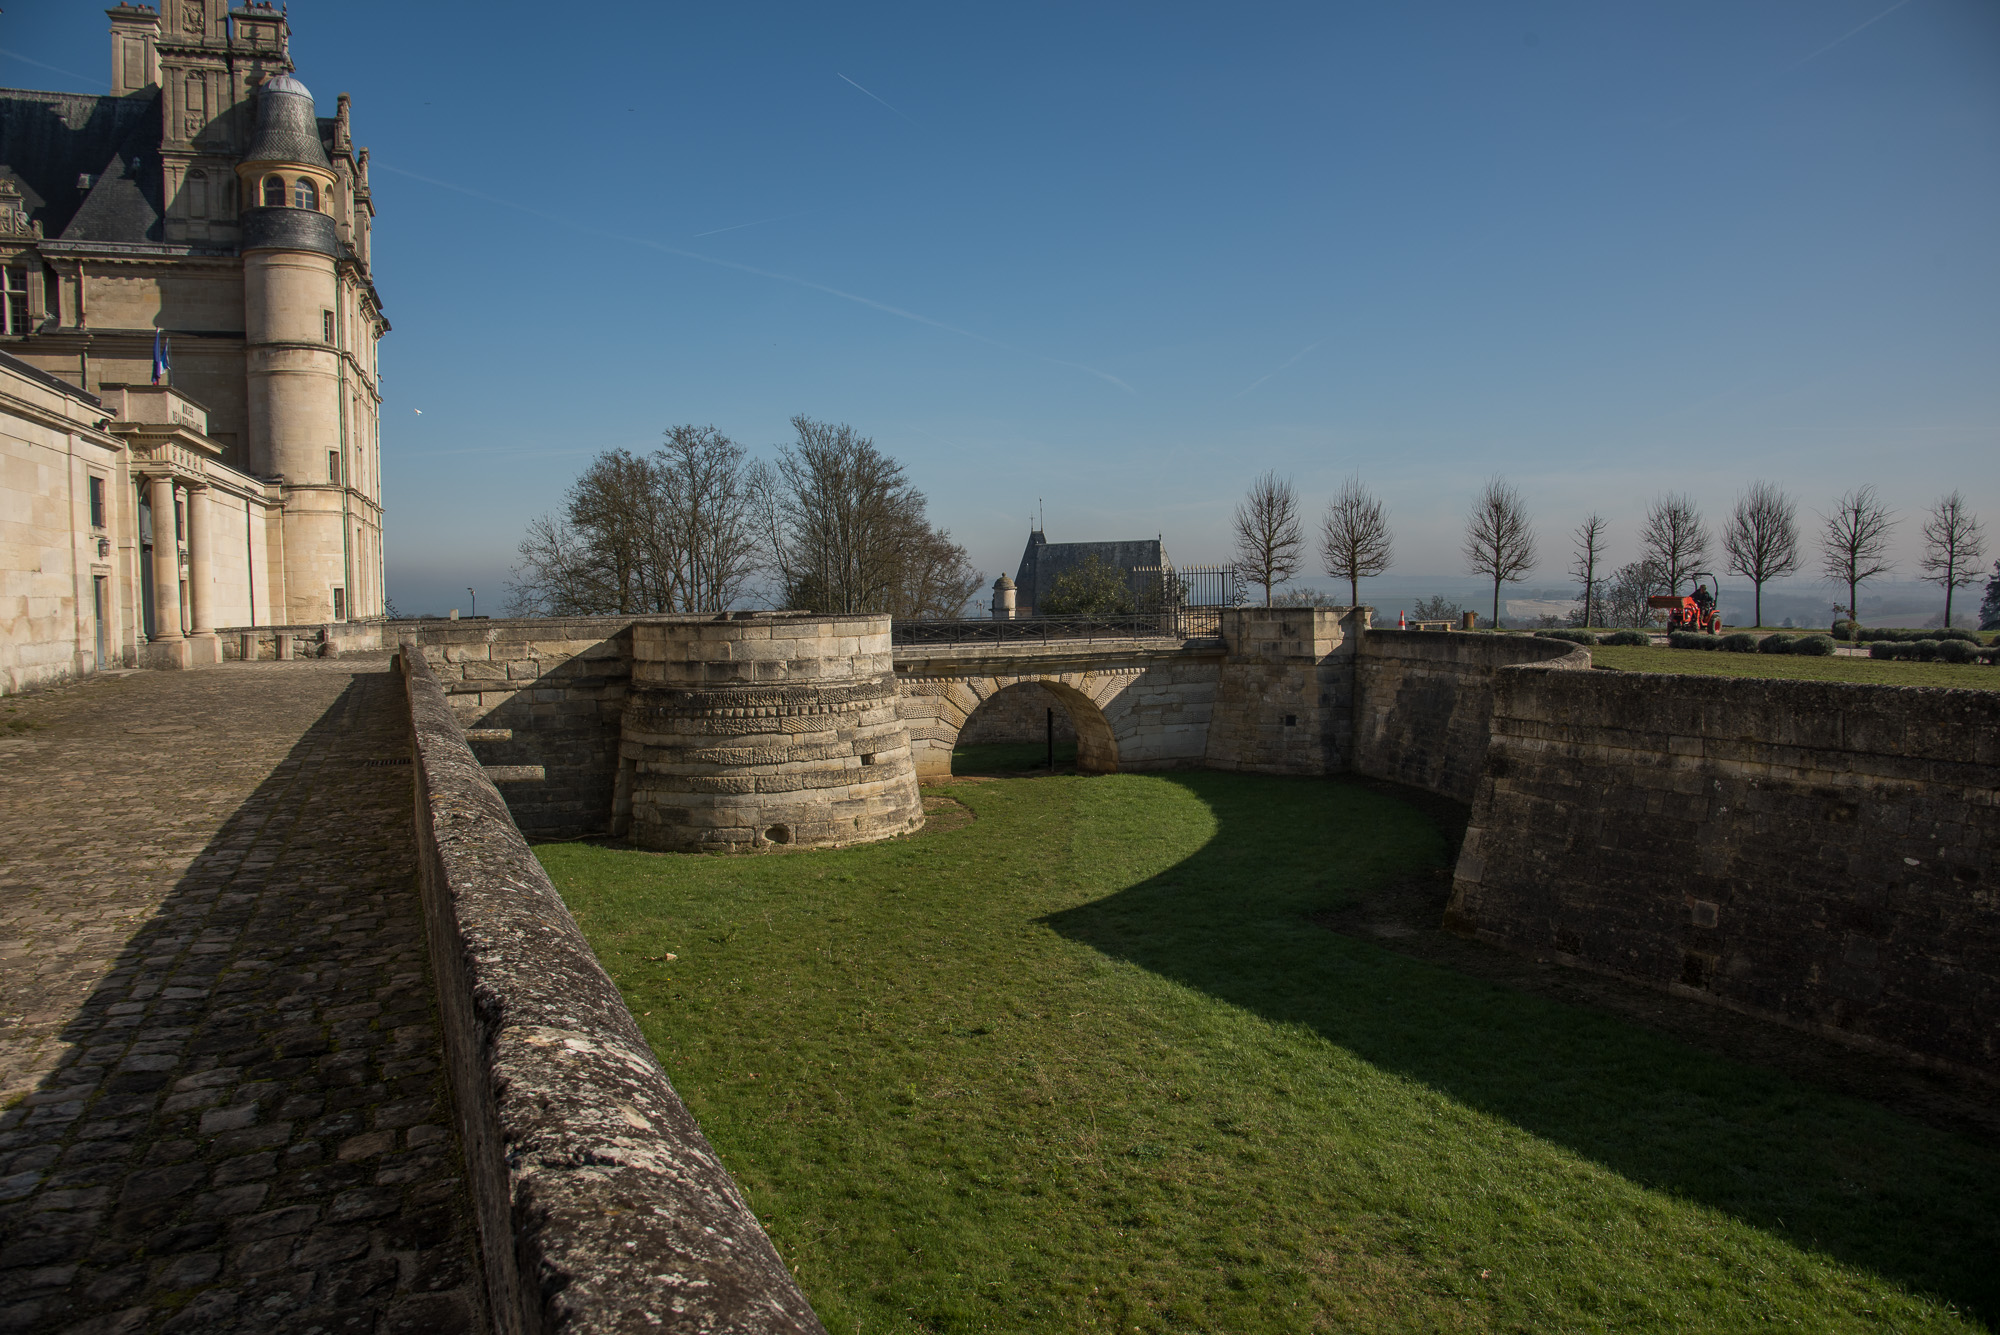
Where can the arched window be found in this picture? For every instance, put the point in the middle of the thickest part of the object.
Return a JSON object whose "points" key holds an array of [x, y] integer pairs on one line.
{"points": [[197, 193], [274, 192], [305, 195]]}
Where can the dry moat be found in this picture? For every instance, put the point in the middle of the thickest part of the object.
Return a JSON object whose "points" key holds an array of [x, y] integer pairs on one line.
{"points": [[1093, 1059]]}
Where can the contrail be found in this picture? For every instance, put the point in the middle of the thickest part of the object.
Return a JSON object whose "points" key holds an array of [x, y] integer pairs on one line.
{"points": [[1279, 370], [865, 91], [772, 274], [87, 78], [1850, 32], [737, 227]]}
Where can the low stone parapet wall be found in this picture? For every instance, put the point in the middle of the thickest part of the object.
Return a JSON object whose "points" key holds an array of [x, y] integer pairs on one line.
{"points": [[317, 639], [600, 1205], [541, 699], [1819, 853], [1423, 702]]}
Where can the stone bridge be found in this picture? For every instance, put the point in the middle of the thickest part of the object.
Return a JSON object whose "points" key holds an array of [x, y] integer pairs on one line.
{"points": [[1132, 704]]}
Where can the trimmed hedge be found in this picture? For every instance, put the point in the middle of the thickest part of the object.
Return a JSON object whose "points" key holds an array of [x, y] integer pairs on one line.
{"points": [[1636, 638], [1777, 644], [1812, 646], [1891, 635], [1567, 636], [1742, 642], [1691, 639]]}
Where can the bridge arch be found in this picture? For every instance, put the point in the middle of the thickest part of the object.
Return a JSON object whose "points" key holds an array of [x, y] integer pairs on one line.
{"points": [[937, 709], [1020, 703]]}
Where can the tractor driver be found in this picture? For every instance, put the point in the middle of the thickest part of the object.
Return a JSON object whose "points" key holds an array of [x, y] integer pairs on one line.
{"points": [[1703, 598]]}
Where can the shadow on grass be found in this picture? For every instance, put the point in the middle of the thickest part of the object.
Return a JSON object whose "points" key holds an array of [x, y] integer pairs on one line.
{"points": [[1840, 1177], [1012, 758]]}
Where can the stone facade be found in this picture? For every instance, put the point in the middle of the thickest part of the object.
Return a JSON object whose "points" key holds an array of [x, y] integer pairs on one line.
{"points": [[1813, 852], [206, 204], [125, 541], [764, 729]]}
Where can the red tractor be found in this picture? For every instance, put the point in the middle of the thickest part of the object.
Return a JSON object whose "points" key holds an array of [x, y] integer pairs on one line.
{"points": [[1697, 611]]}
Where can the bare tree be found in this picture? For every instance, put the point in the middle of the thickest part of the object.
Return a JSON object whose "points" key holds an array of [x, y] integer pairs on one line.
{"points": [[1954, 547], [1354, 538], [844, 531], [699, 534], [666, 533], [1854, 542], [592, 558], [1499, 540], [1589, 550], [556, 576], [1629, 588], [1675, 538], [1762, 539], [1269, 545]]}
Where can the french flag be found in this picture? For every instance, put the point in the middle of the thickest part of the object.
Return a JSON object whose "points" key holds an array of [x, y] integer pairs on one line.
{"points": [[163, 357]]}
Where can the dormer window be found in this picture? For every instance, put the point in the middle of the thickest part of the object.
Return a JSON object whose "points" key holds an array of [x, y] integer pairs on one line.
{"points": [[305, 195], [274, 192]]}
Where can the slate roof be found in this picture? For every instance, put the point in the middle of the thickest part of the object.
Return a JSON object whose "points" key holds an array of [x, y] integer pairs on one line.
{"points": [[49, 140]]}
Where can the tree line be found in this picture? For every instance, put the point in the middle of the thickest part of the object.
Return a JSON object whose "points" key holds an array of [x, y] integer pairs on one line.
{"points": [[1761, 540], [832, 524]]}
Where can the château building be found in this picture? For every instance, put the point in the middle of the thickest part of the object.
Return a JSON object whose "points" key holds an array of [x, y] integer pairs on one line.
{"points": [[189, 395]]}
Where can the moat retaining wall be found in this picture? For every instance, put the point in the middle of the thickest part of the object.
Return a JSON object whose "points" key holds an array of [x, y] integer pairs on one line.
{"points": [[1819, 853], [600, 1206], [1423, 703], [540, 703]]}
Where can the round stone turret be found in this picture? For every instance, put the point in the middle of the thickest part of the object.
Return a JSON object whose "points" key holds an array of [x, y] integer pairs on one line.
{"points": [[1003, 599], [753, 731]]}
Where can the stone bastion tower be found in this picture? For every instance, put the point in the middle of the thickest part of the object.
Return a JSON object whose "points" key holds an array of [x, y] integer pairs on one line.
{"points": [[205, 210]]}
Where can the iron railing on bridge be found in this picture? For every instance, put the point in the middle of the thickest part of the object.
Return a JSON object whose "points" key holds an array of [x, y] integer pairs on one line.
{"points": [[1177, 624]]}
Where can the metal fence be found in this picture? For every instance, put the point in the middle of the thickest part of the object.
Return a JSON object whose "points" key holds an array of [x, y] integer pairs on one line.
{"points": [[1176, 624]]}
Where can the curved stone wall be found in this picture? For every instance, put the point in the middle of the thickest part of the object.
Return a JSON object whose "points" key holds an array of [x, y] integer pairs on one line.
{"points": [[753, 731]]}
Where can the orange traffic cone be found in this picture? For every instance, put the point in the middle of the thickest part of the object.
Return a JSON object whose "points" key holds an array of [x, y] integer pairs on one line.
{"points": [[1402, 621]]}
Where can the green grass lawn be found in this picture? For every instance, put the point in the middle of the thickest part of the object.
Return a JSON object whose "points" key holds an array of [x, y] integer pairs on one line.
{"points": [[1011, 757], [1878, 672], [1085, 1063]]}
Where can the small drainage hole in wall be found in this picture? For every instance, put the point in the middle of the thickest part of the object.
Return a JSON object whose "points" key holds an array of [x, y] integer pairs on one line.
{"points": [[779, 834]]}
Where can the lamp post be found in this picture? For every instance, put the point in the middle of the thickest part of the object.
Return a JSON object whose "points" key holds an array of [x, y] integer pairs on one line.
{"points": [[475, 600]]}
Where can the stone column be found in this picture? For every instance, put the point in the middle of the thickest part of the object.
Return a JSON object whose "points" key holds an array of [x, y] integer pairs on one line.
{"points": [[166, 563], [201, 592]]}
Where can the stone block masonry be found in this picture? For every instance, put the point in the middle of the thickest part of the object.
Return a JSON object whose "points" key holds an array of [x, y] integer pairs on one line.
{"points": [[1285, 693], [1817, 853], [1018, 714], [1423, 703], [544, 699], [760, 730], [601, 1207]]}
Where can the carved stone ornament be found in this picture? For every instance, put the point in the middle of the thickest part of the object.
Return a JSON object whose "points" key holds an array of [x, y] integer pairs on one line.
{"points": [[193, 19]]}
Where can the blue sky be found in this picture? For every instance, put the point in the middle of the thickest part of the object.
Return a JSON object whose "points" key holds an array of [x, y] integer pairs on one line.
{"points": [[1121, 258]]}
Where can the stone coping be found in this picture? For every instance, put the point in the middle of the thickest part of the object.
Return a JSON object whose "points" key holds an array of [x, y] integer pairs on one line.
{"points": [[601, 1206], [967, 657]]}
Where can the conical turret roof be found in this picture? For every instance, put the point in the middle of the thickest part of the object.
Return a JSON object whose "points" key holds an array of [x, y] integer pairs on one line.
{"points": [[287, 125]]}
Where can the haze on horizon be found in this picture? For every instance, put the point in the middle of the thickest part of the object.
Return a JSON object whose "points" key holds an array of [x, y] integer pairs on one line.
{"points": [[1117, 261]]}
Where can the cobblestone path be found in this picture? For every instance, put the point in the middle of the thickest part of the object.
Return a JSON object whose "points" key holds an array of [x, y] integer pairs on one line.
{"points": [[221, 1098]]}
